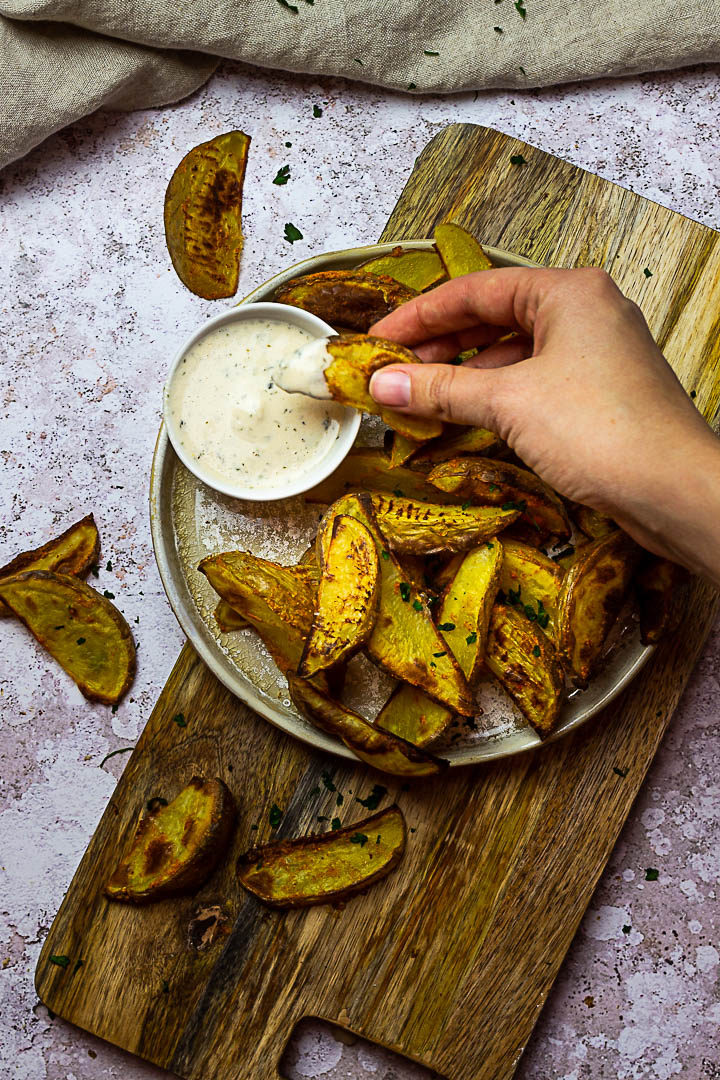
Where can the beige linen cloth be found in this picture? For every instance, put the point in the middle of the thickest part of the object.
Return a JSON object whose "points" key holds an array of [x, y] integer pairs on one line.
{"points": [[62, 59]]}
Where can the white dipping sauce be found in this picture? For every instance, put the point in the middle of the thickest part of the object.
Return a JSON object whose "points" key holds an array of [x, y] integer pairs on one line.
{"points": [[303, 372], [235, 421]]}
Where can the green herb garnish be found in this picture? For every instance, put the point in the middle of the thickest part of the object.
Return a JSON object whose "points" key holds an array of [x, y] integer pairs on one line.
{"points": [[288, 5], [108, 595], [647, 273], [651, 874], [292, 233], [498, 29], [385, 554], [359, 838], [517, 159], [81, 641], [180, 720], [405, 591], [493, 487], [438, 654], [429, 52], [536, 650], [61, 961], [471, 638], [626, 929], [620, 772], [465, 506], [519, 6], [372, 801], [417, 604], [339, 800], [275, 816], [446, 626], [335, 824], [398, 493], [317, 112], [283, 175], [512, 505]]}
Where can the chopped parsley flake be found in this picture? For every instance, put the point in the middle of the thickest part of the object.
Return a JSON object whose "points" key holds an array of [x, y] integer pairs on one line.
{"points": [[522, 69], [536, 650], [519, 6], [292, 233], [405, 591], [512, 505], [109, 565], [438, 654], [81, 641], [108, 595], [61, 961], [498, 29], [693, 394], [180, 720], [465, 506], [429, 52], [385, 554], [398, 493], [417, 604], [275, 816], [340, 799], [446, 626], [493, 487], [626, 929], [359, 838], [335, 824], [620, 772], [372, 801], [517, 159], [471, 638], [317, 112], [647, 273], [283, 175], [289, 6], [651, 874], [327, 781], [412, 86]]}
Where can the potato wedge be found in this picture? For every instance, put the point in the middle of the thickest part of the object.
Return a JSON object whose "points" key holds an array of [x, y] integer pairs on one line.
{"points": [[593, 523], [593, 592], [80, 629], [459, 250], [415, 268], [347, 597], [380, 749], [455, 442], [420, 528], [532, 581], [658, 584], [347, 298], [527, 667], [464, 615], [402, 449], [176, 846], [370, 469], [74, 551], [203, 206], [498, 483], [228, 619], [325, 868], [355, 358]]}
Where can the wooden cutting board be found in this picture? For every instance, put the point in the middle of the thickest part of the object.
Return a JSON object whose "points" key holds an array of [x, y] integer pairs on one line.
{"points": [[449, 960]]}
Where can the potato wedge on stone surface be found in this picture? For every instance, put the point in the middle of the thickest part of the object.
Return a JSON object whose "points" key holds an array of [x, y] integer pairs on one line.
{"points": [[74, 551], [413, 267], [593, 592], [355, 358], [380, 749], [325, 868], [80, 629], [459, 250], [526, 665], [370, 469], [455, 442], [593, 523], [203, 207], [498, 483], [228, 619], [421, 528], [658, 584], [176, 845], [348, 298], [347, 597], [529, 578]]}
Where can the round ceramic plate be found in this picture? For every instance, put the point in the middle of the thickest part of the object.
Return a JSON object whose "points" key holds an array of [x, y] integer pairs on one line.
{"points": [[190, 521]]}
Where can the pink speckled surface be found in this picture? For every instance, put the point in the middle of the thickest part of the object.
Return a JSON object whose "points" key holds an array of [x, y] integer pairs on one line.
{"points": [[90, 314]]}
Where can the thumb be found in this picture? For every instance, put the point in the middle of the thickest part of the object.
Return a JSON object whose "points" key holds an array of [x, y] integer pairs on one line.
{"points": [[460, 395]]}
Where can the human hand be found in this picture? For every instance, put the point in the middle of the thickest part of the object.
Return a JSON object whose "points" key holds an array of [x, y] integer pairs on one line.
{"points": [[582, 394]]}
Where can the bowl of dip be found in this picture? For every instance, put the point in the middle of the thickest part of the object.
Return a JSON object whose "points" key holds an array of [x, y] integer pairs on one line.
{"points": [[232, 426]]}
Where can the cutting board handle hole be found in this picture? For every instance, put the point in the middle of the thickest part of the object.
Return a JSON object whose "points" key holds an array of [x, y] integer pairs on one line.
{"points": [[317, 1045]]}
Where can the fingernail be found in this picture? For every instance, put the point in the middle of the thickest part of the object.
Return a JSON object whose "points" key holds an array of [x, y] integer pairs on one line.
{"points": [[390, 387]]}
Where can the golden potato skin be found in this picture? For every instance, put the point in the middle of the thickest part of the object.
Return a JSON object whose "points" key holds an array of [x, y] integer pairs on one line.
{"points": [[535, 577], [413, 267], [348, 298], [459, 250], [370, 469], [455, 442], [228, 619], [74, 551], [527, 667], [412, 527]]}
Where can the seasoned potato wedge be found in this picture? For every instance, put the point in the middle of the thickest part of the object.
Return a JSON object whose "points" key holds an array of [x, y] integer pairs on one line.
{"points": [[355, 358], [347, 298], [380, 749], [228, 619], [455, 442], [347, 597], [80, 629], [459, 250], [593, 523], [498, 483], [658, 583], [526, 665], [325, 868], [73, 552], [402, 449], [420, 528], [176, 846], [370, 469], [203, 207], [529, 578], [593, 592], [413, 267]]}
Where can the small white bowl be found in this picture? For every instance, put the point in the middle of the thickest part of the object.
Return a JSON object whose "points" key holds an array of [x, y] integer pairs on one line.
{"points": [[349, 424]]}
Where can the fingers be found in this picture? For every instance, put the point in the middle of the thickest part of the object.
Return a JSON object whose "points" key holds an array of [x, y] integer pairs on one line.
{"points": [[503, 354], [445, 348], [459, 395]]}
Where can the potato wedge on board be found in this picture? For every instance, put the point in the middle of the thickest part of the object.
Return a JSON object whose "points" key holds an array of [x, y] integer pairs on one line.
{"points": [[203, 207], [347, 597], [593, 592], [498, 483], [530, 578], [527, 667], [80, 629], [455, 442], [420, 528], [658, 584], [402, 449], [176, 846], [370, 469], [325, 868], [228, 619], [464, 616], [459, 250], [413, 267], [380, 749], [74, 551], [355, 358], [347, 298], [593, 523]]}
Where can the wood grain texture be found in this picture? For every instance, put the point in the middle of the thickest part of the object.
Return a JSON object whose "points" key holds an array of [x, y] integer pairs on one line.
{"points": [[448, 960]]}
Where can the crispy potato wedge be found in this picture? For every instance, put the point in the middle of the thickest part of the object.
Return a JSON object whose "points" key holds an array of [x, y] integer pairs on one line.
{"points": [[455, 442], [73, 552], [658, 583], [420, 528], [380, 749], [464, 613], [228, 619], [593, 523], [459, 250], [526, 665], [355, 358], [593, 592], [417, 269], [80, 629], [347, 298], [442, 577], [325, 868], [203, 207], [402, 449], [176, 846], [498, 483], [531, 579], [370, 469], [347, 597]]}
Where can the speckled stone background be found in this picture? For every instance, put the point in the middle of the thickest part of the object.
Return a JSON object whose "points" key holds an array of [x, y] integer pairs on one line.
{"points": [[90, 313]]}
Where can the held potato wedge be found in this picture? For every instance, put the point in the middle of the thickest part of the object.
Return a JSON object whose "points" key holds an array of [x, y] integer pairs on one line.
{"points": [[526, 665], [176, 846], [529, 578], [228, 619], [415, 268], [355, 358], [459, 250], [455, 442], [347, 597], [593, 592], [402, 449], [347, 298], [419, 528], [80, 629], [370, 469], [325, 868], [74, 551], [380, 749], [203, 206], [498, 483], [658, 583]]}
